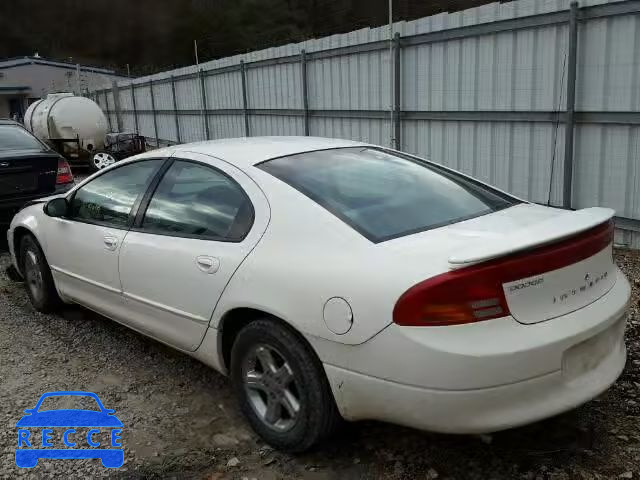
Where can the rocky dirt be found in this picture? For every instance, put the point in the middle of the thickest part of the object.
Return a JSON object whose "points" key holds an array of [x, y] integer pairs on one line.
{"points": [[180, 419]]}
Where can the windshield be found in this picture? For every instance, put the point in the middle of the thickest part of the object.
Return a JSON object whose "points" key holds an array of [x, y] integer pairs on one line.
{"points": [[385, 195], [13, 137]]}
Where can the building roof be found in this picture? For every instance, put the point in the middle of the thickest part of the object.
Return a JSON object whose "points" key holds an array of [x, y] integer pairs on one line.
{"points": [[18, 61]]}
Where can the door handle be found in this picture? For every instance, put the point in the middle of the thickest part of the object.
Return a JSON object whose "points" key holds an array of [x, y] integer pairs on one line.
{"points": [[110, 243], [207, 264]]}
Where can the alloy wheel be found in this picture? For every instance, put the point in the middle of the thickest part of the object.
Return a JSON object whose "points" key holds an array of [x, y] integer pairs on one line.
{"points": [[103, 160], [271, 388], [33, 274]]}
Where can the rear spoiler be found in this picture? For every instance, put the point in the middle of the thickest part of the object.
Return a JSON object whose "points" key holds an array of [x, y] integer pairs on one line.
{"points": [[565, 225]]}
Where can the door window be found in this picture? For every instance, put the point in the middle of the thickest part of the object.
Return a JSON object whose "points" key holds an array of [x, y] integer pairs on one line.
{"points": [[195, 200], [109, 198]]}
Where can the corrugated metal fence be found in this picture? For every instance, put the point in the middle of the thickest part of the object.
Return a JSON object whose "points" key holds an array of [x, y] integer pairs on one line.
{"points": [[538, 97]]}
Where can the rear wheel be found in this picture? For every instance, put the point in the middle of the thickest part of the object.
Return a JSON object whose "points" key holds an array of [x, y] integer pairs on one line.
{"points": [[37, 275], [281, 387], [100, 160]]}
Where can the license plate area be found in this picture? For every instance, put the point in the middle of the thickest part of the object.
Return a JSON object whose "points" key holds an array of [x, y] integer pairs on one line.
{"points": [[589, 354]]}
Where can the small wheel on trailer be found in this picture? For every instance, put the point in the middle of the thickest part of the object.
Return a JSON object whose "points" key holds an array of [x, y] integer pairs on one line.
{"points": [[100, 160]]}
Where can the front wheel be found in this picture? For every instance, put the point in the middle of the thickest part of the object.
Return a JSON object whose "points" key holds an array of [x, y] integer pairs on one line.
{"points": [[100, 160], [37, 274], [281, 387]]}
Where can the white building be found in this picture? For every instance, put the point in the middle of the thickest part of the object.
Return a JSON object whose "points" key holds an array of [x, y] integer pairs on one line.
{"points": [[24, 80]]}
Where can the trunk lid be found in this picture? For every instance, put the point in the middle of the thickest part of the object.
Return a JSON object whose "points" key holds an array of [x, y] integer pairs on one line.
{"points": [[571, 257], [543, 262], [27, 173]]}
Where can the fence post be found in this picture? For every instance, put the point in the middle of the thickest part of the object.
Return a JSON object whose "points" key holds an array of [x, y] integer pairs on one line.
{"points": [[305, 91], [243, 74], [116, 104], [205, 117], [153, 110], [106, 106], [135, 110], [567, 190], [396, 91], [175, 108]]}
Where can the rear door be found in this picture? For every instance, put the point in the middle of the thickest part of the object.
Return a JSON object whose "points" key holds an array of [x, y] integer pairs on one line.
{"points": [[190, 236], [27, 167]]}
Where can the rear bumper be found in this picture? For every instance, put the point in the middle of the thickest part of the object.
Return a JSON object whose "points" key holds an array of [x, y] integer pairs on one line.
{"points": [[473, 411], [483, 378]]}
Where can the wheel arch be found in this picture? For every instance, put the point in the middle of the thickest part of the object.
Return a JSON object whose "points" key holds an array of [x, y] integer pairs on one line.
{"points": [[234, 320], [18, 234]]}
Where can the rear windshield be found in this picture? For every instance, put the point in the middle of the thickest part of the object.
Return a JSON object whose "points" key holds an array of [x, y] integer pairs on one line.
{"points": [[384, 195], [13, 137]]}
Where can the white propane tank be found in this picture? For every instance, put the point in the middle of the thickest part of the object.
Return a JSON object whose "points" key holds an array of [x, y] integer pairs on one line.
{"points": [[65, 116]]}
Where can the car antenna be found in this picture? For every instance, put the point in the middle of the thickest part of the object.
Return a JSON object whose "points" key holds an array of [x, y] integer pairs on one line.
{"points": [[555, 130]]}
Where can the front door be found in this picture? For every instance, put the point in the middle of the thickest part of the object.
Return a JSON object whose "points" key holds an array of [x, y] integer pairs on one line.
{"points": [[82, 248], [201, 222]]}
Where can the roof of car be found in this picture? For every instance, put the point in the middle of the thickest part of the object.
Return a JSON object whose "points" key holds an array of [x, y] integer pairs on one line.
{"points": [[248, 151]]}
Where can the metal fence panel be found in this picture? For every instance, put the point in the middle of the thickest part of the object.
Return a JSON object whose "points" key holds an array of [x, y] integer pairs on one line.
{"points": [[226, 126], [366, 130], [162, 96], [223, 91], [357, 82], [189, 94], [487, 91], [280, 125], [166, 127], [513, 156], [143, 96], [276, 86], [604, 174], [191, 128], [128, 122]]}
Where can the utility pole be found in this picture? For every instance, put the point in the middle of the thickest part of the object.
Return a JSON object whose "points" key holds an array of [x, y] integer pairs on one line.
{"points": [[392, 140], [79, 91]]}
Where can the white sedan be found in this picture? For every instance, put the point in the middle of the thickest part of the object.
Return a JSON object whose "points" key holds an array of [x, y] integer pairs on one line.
{"points": [[338, 280]]}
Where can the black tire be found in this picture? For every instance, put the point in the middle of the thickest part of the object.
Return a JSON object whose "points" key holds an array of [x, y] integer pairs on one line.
{"points": [[37, 275], [318, 415]]}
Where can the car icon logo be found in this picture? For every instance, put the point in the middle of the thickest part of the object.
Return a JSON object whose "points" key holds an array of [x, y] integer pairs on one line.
{"points": [[36, 437]]}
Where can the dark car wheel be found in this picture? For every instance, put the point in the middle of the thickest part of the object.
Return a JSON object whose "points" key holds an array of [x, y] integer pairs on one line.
{"points": [[37, 275], [281, 387]]}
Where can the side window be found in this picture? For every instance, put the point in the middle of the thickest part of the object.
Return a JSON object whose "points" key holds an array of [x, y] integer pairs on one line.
{"points": [[194, 200], [109, 198]]}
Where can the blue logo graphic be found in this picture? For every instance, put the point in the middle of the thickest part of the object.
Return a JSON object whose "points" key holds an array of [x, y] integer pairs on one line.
{"points": [[29, 442]]}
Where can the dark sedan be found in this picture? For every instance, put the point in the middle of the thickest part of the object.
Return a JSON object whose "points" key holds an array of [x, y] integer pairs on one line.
{"points": [[29, 169]]}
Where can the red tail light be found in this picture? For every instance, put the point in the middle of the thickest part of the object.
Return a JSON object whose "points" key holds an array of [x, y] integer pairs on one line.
{"points": [[475, 293], [64, 172]]}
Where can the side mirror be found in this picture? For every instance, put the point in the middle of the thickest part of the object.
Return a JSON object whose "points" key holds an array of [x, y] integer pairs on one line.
{"points": [[58, 207]]}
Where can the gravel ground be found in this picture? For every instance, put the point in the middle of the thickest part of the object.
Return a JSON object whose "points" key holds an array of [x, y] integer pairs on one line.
{"points": [[180, 419]]}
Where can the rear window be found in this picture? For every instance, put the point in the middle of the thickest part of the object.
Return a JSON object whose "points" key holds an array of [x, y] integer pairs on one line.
{"points": [[17, 138], [384, 195]]}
